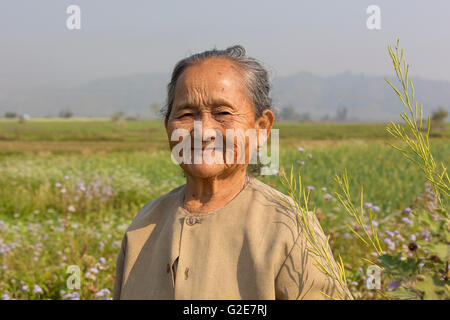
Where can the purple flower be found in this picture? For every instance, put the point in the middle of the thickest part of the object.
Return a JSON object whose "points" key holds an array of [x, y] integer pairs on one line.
{"points": [[310, 188], [74, 296], [368, 205], [376, 208], [301, 149], [394, 285], [93, 270], [37, 289], [407, 210], [407, 220], [390, 234], [102, 293], [310, 156]]}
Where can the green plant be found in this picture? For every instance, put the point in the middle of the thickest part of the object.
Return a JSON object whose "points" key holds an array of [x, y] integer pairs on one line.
{"points": [[423, 272], [318, 247]]}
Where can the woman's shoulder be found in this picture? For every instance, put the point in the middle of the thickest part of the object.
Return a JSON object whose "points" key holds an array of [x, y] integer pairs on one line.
{"points": [[271, 205], [266, 189], [155, 209], [271, 196]]}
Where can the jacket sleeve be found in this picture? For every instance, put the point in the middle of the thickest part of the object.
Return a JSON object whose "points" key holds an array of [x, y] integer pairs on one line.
{"points": [[300, 279], [119, 269]]}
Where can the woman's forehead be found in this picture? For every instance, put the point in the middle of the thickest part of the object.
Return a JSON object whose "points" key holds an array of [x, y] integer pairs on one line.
{"points": [[213, 74]]}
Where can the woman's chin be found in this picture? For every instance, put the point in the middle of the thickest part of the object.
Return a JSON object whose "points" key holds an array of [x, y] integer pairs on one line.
{"points": [[204, 170]]}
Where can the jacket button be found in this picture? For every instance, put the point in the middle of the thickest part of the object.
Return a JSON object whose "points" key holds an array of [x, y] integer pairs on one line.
{"points": [[190, 221]]}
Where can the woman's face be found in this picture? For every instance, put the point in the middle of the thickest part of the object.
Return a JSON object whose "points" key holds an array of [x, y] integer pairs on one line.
{"points": [[212, 92]]}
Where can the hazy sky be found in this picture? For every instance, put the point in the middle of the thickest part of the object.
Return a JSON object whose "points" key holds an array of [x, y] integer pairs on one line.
{"points": [[126, 37]]}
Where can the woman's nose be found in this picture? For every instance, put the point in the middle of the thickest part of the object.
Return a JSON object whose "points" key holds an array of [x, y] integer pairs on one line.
{"points": [[208, 126], [208, 122]]}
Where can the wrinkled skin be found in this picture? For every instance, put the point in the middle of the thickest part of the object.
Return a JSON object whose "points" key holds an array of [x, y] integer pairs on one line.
{"points": [[213, 92]]}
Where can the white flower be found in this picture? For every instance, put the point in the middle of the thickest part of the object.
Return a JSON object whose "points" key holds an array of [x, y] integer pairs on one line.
{"points": [[73, 296], [58, 185], [71, 208], [301, 149], [37, 289], [93, 270], [327, 196], [5, 296], [66, 177], [310, 155], [115, 243], [90, 276], [63, 190]]}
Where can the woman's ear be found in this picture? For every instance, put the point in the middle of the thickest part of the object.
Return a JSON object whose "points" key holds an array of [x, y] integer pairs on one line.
{"points": [[265, 122]]}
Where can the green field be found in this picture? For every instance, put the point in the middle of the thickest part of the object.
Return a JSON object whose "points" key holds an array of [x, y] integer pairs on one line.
{"points": [[69, 188]]}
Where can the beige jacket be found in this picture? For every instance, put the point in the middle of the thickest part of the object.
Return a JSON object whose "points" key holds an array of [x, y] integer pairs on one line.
{"points": [[252, 248]]}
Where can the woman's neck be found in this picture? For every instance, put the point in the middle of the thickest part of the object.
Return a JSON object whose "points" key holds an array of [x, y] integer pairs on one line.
{"points": [[206, 195]]}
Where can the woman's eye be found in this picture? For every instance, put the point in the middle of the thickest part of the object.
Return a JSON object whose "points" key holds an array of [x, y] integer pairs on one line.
{"points": [[223, 113]]}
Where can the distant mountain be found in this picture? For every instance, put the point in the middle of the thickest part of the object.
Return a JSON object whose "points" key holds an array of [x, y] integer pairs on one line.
{"points": [[367, 98]]}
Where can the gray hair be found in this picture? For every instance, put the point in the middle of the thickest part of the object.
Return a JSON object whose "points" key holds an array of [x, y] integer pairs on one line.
{"points": [[257, 81]]}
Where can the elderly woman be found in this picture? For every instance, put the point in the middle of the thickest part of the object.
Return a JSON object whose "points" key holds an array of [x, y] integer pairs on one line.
{"points": [[223, 234]]}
